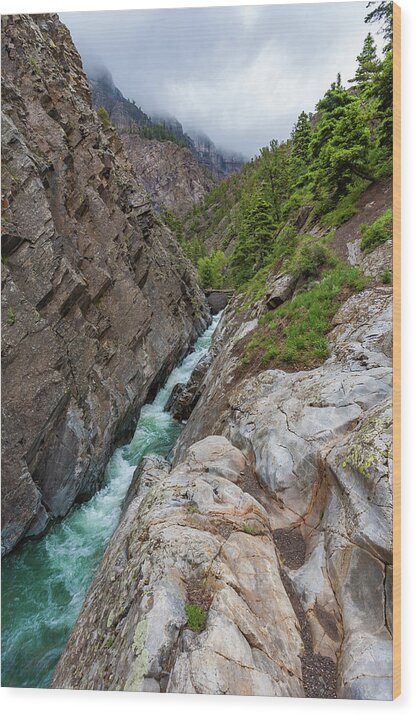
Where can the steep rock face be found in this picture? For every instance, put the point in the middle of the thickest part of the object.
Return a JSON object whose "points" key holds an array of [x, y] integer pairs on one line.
{"points": [[98, 299], [219, 162], [122, 112], [313, 452], [172, 175], [191, 536]]}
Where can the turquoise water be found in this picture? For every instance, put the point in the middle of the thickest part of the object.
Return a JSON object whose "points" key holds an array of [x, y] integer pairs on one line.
{"points": [[44, 583]]}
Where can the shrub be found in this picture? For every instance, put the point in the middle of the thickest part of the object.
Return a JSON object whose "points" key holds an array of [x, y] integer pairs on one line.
{"points": [[103, 116], [309, 259], [191, 508], [386, 278], [375, 234], [196, 617], [11, 318]]}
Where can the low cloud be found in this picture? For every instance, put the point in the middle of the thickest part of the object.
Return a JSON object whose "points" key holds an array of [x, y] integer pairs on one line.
{"points": [[242, 75]]}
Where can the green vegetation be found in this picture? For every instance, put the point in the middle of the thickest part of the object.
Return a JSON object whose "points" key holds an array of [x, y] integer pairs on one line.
{"points": [[256, 239], [386, 278], [377, 233], [109, 643], [35, 65], [211, 270], [296, 331], [249, 530], [262, 216], [192, 509], [309, 259], [11, 318], [196, 617], [160, 132], [104, 117]]}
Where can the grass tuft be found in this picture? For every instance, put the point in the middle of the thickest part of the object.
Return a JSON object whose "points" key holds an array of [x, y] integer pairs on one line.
{"points": [[196, 617], [378, 232]]}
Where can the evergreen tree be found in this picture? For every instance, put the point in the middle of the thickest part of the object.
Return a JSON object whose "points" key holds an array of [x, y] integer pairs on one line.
{"points": [[273, 175], [301, 137], [255, 241], [382, 91], [383, 13], [368, 65], [340, 144]]}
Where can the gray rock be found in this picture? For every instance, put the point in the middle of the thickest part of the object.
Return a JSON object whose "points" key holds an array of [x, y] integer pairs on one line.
{"points": [[185, 396], [280, 290], [184, 540], [99, 302]]}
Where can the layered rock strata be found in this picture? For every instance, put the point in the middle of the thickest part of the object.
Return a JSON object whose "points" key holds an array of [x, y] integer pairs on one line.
{"points": [[98, 300], [171, 174]]}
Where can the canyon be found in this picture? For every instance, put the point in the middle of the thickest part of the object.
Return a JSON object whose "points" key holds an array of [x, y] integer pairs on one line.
{"points": [[247, 544]]}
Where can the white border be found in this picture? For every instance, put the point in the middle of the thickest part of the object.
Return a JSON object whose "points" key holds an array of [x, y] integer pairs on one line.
{"points": [[48, 703]]}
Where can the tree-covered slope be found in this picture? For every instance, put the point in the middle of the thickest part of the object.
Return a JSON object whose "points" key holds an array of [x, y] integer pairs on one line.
{"points": [[277, 209]]}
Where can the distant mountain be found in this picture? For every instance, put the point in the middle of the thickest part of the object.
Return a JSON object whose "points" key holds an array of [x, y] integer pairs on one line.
{"points": [[122, 112], [219, 161], [126, 115], [162, 155], [174, 126]]}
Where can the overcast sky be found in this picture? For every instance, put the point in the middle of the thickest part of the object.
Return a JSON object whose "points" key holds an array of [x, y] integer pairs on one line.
{"points": [[241, 74]]}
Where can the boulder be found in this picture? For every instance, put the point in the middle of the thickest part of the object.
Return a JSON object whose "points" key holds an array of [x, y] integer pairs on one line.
{"points": [[185, 396], [280, 290]]}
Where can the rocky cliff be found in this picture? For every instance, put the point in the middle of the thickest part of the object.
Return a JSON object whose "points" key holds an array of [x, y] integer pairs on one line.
{"points": [[261, 562], [98, 301], [172, 175], [122, 112], [171, 171]]}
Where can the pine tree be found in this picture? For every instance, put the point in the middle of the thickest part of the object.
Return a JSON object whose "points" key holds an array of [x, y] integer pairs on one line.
{"points": [[382, 13], [274, 175], [368, 65], [255, 242], [381, 90], [301, 137], [340, 145]]}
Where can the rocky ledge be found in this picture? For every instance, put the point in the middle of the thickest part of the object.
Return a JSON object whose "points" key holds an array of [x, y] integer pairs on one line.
{"points": [[192, 539]]}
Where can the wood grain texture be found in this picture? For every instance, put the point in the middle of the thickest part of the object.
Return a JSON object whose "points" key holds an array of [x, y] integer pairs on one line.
{"points": [[396, 351]]}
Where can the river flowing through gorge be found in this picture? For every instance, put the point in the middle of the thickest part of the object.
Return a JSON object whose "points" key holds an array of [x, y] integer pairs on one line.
{"points": [[44, 582]]}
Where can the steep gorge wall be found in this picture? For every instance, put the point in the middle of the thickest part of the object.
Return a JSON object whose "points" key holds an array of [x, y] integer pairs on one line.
{"points": [[98, 301]]}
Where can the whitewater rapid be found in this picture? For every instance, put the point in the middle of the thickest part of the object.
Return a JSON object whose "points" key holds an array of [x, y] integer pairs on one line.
{"points": [[44, 583]]}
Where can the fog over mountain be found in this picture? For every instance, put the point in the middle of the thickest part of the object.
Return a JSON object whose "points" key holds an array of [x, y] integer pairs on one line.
{"points": [[239, 74]]}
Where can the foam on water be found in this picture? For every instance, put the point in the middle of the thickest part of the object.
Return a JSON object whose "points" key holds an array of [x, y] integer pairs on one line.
{"points": [[44, 583]]}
